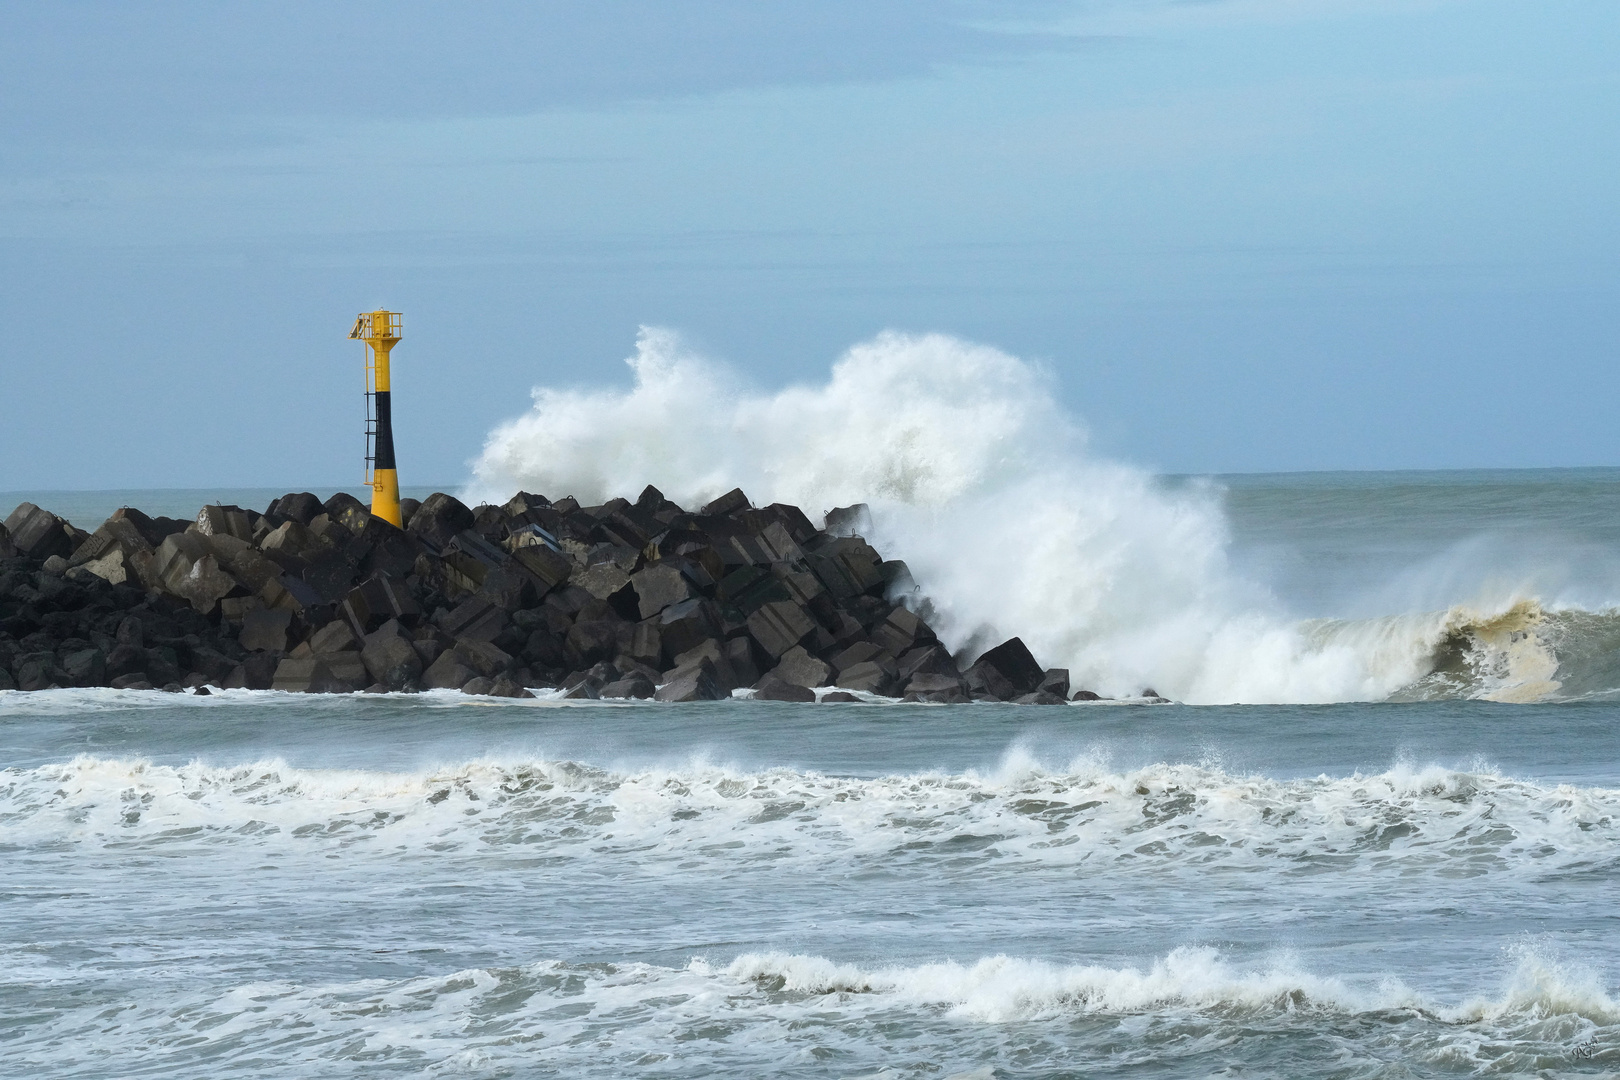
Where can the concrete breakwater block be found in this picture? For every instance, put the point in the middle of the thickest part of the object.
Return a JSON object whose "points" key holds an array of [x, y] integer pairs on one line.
{"points": [[626, 600]]}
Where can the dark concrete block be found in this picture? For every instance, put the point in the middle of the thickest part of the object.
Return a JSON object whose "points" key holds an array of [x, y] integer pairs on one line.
{"points": [[902, 631], [1040, 697], [860, 652], [1013, 660], [659, 586], [131, 631], [289, 593], [847, 567], [694, 683], [631, 686], [729, 503], [85, 667], [590, 641], [203, 583], [799, 667], [335, 636], [930, 659], [234, 609], [212, 665], [1086, 695], [125, 660], [226, 521], [683, 626], [301, 507], [267, 630], [550, 567], [603, 580], [773, 688], [1055, 681], [926, 683], [738, 654], [779, 544], [469, 559], [448, 672], [867, 676], [506, 687], [379, 599], [38, 533], [257, 672], [38, 672], [985, 681], [391, 658], [304, 675], [291, 544], [715, 653], [331, 576], [440, 518], [748, 588], [484, 657], [474, 619], [244, 562], [162, 666], [779, 626], [479, 685], [390, 553], [543, 649], [523, 502], [645, 643], [349, 674], [792, 519], [854, 520], [834, 697], [348, 511]]}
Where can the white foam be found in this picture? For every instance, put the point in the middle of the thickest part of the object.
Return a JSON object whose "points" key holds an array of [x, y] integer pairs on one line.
{"points": [[761, 1012], [1001, 989], [1176, 817], [981, 483]]}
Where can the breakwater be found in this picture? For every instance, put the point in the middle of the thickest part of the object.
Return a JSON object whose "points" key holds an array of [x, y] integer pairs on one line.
{"points": [[640, 599]]}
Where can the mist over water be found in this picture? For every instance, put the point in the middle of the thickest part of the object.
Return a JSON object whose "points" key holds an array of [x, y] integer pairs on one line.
{"points": [[981, 482]]}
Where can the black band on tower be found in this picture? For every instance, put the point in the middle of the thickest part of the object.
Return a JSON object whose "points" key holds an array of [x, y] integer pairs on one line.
{"points": [[385, 432]]}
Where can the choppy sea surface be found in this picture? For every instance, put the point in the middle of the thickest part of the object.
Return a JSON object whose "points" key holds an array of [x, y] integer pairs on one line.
{"points": [[254, 884]]}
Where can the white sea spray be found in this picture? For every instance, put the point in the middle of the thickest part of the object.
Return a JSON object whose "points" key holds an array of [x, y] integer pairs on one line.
{"points": [[981, 482]]}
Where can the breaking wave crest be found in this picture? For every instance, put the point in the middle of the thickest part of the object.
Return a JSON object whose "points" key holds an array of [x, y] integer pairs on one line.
{"points": [[1174, 817], [782, 1014], [982, 484]]}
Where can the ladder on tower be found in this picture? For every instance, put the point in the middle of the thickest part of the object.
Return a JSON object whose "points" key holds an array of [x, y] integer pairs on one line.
{"points": [[371, 417]]}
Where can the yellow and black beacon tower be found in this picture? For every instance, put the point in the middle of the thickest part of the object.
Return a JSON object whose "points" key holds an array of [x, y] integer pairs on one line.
{"points": [[380, 331]]}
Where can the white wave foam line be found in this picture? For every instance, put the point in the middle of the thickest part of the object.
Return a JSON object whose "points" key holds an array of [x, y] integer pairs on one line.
{"points": [[760, 1010], [980, 482], [1000, 989], [1405, 820]]}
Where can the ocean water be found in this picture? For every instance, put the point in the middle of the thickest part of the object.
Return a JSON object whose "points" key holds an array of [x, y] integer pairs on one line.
{"points": [[1376, 834], [271, 885], [275, 886]]}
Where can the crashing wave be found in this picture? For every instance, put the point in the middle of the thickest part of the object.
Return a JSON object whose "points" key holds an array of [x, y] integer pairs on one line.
{"points": [[980, 482]]}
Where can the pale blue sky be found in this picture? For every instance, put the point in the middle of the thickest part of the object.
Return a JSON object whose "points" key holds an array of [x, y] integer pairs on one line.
{"points": [[1245, 235]]}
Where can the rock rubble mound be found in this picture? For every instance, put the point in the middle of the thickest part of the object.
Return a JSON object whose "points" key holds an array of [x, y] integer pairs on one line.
{"points": [[638, 599]]}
